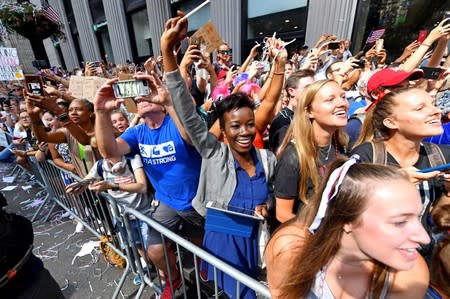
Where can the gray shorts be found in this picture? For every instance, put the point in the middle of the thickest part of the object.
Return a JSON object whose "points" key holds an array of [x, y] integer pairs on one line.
{"points": [[188, 224]]}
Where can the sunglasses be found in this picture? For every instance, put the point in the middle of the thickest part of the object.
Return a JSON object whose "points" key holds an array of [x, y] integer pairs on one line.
{"points": [[225, 52]]}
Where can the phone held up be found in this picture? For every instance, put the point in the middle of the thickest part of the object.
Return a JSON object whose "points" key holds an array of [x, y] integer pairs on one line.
{"points": [[130, 89], [431, 73], [34, 85]]}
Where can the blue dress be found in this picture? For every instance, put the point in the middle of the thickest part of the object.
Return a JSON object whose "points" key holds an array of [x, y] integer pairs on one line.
{"points": [[239, 252]]}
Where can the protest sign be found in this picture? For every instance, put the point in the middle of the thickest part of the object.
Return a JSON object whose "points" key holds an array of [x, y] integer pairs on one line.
{"points": [[9, 65], [208, 36], [85, 87]]}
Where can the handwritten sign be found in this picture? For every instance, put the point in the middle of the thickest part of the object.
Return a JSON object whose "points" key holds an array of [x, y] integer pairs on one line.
{"points": [[85, 87], [9, 65], [208, 36]]}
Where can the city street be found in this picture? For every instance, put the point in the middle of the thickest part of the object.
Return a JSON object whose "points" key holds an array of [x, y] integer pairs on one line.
{"points": [[57, 244]]}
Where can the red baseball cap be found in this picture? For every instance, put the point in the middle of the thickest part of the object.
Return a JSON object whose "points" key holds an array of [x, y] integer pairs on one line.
{"points": [[391, 77]]}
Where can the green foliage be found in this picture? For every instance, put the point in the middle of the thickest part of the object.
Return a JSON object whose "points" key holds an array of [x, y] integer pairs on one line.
{"points": [[29, 21]]}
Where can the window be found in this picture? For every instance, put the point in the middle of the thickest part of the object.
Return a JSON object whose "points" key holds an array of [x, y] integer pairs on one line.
{"points": [[267, 16], [141, 32]]}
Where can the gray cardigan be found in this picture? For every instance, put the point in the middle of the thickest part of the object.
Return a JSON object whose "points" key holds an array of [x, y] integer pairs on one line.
{"points": [[218, 175]]}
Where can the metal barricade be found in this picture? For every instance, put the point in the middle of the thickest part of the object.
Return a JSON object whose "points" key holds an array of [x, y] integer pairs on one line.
{"points": [[91, 210], [183, 246]]}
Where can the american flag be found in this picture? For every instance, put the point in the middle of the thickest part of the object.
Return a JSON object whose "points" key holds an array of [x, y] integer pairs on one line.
{"points": [[50, 12], [374, 35]]}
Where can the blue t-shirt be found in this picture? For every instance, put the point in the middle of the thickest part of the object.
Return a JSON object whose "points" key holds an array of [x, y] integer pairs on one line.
{"points": [[171, 164]]}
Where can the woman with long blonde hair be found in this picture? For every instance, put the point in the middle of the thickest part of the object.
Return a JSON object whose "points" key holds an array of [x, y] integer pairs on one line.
{"points": [[314, 139]]}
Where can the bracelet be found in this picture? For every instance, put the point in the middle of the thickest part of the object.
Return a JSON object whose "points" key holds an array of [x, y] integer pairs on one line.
{"points": [[426, 45], [278, 73]]}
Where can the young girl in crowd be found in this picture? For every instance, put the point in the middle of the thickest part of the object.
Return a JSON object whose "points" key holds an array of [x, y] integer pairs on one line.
{"points": [[357, 238], [232, 176], [396, 126], [313, 140], [59, 152], [23, 139]]}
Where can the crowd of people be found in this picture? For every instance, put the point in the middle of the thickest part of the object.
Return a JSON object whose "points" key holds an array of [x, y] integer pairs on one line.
{"points": [[327, 151]]}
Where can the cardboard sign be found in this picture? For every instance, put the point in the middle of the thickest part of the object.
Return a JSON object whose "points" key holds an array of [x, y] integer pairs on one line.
{"points": [[9, 65], [85, 87], [208, 36]]}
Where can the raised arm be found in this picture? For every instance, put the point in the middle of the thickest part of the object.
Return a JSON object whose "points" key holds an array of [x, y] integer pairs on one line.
{"points": [[414, 60], [104, 103], [175, 31], [38, 127], [250, 57], [264, 114]]}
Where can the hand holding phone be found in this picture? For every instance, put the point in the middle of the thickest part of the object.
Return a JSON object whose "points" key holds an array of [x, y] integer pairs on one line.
{"points": [[431, 73], [422, 36], [34, 85], [80, 186]]}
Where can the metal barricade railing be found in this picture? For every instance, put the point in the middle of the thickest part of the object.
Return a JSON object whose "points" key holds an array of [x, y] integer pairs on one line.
{"points": [[181, 247], [90, 209]]}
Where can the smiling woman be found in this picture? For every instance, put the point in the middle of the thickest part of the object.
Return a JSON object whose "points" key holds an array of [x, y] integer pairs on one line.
{"points": [[394, 128], [313, 140], [358, 241], [234, 176]]}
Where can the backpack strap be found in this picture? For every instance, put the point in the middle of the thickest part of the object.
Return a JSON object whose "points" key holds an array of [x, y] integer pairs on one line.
{"points": [[434, 154], [100, 168], [379, 152]]}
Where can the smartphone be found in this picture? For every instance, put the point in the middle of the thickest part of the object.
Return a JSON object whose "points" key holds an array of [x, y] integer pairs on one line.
{"points": [[130, 89], [98, 67], [361, 63], [446, 16], [422, 36], [437, 168], [34, 84], [239, 78], [83, 183], [334, 45], [379, 45], [431, 73]]}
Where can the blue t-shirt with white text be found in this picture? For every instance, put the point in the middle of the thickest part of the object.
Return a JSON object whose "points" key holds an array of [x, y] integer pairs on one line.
{"points": [[171, 164]]}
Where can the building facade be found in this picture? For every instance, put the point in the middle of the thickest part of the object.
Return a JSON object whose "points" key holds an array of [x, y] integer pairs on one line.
{"points": [[129, 30]]}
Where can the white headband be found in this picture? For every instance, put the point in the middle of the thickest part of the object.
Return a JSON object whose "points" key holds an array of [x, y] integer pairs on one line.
{"points": [[331, 189]]}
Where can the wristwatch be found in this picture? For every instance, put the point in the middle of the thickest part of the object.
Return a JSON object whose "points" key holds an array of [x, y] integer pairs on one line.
{"points": [[115, 187], [63, 117]]}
